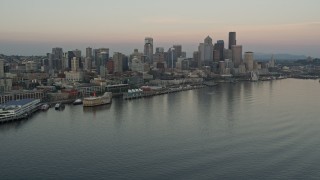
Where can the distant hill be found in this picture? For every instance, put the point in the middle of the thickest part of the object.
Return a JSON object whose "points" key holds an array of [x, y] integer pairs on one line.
{"points": [[264, 56]]}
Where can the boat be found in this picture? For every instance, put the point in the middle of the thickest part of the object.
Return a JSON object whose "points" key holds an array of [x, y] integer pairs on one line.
{"points": [[210, 83], [59, 106], [18, 109], [44, 107], [77, 102], [254, 76], [106, 98]]}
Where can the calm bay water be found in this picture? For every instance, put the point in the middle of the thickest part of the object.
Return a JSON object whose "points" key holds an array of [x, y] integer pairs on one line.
{"points": [[263, 130]]}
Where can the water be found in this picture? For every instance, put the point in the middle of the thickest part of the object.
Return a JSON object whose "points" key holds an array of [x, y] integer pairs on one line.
{"points": [[263, 130]]}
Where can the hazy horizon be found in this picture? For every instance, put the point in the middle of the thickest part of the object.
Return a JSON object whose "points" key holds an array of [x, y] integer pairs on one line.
{"points": [[34, 27]]}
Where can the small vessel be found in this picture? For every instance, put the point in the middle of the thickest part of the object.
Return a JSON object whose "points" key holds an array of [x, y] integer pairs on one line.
{"points": [[106, 98], [44, 107], [210, 83], [59, 106], [77, 102], [254, 76]]}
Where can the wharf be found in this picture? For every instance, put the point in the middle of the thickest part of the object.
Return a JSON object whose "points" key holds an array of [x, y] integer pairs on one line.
{"points": [[143, 94], [22, 116]]}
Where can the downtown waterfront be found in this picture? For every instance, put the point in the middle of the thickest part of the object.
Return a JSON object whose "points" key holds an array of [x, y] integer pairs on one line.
{"points": [[244, 130]]}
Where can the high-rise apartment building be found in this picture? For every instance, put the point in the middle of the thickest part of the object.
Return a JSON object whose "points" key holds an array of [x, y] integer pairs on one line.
{"points": [[232, 39], [236, 55], [148, 49]]}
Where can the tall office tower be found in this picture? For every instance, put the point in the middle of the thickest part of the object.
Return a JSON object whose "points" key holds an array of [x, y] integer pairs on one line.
{"points": [[77, 53], [216, 55], [70, 56], [272, 62], [75, 64], [236, 55], [118, 59], [51, 62], [159, 50], [206, 50], [1, 68], [57, 58], [159, 56], [65, 61], [232, 39], [248, 59], [227, 54], [89, 52], [88, 64], [171, 58], [96, 53], [196, 58], [178, 50], [148, 49], [183, 54], [219, 46], [102, 60]]}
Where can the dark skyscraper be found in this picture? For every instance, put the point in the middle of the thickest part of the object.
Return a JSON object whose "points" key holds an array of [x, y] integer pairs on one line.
{"points": [[232, 39], [57, 58], [178, 50], [148, 49], [219, 46]]}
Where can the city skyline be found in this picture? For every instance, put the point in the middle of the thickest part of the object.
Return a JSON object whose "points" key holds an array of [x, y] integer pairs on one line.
{"points": [[34, 27]]}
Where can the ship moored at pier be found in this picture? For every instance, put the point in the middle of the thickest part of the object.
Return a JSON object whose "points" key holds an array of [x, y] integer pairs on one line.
{"points": [[106, 98], [18, 109]]}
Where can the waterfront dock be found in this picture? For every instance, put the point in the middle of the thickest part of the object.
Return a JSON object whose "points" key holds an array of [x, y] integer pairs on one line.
{"points": [[139, 93]]}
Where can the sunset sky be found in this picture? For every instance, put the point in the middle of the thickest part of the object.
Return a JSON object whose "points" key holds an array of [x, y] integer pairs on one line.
{"points": [[33, 27]]}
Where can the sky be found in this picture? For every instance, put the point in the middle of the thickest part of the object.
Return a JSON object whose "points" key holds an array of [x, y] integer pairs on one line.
{"points": [[34, 27]]}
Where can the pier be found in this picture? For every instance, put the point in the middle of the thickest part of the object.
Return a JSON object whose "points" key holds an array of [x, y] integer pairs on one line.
{"points": [[139, 93]]}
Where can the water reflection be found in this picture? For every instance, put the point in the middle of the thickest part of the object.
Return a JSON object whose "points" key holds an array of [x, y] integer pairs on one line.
{"points": [[96, 108], [6, 126]]}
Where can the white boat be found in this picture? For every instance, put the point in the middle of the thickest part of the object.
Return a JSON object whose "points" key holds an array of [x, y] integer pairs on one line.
{"points": [[18, 109], [44, 107], [59, 106], [77, 102], [254, 76], [106, 98]]}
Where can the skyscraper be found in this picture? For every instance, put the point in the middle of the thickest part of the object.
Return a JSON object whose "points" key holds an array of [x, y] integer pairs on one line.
{"points": [[219, 46], [232, 39], [118, 59], [75, 64], [236, 55], [1, 68], [57, 53], [206, 50], [178, 50], [248, 59], [148, 49], [88, 52]]}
